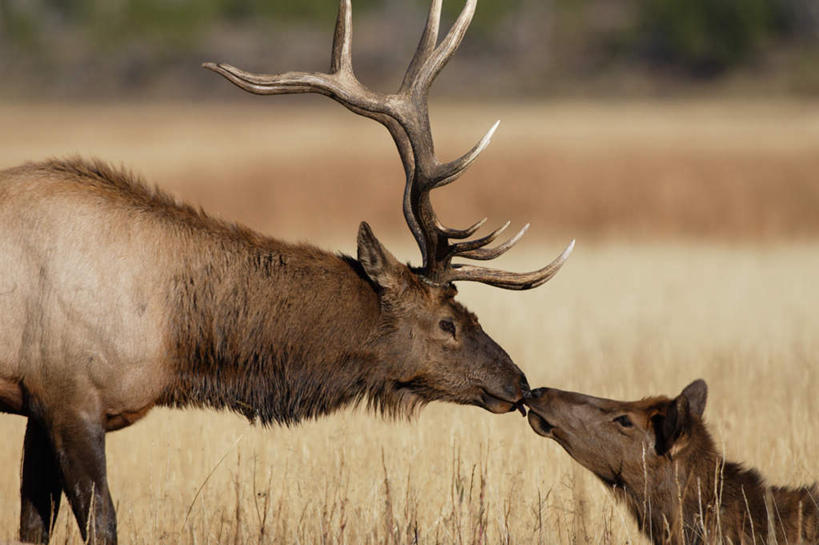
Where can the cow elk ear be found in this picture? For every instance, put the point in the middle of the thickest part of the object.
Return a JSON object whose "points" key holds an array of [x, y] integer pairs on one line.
{"points": [[696, 393], [677, 418], [380, 265]]}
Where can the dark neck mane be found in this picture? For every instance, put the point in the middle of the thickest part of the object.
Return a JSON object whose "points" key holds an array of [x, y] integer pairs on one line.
{"points": [[275, 332]]}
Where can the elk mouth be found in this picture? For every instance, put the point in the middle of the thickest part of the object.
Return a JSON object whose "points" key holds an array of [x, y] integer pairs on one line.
{"points": [[499, 405], [540, 424]]}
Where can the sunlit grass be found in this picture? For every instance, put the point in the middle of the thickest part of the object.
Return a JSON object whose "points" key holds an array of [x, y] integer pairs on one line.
{"points": [[620, 321]]}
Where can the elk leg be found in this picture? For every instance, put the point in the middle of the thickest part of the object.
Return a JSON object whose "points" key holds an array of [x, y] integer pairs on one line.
{"points": [[80, 448], [41, 490]]}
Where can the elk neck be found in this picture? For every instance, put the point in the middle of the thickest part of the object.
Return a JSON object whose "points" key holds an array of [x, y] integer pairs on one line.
{"points": [[695, 494], [273, 331]]}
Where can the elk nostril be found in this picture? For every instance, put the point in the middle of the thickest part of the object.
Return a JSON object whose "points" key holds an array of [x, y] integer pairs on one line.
{"points": [[513, 391]]}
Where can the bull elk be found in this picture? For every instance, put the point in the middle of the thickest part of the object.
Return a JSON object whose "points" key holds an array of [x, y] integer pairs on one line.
{"points": [[117, 299], [658, 457]]}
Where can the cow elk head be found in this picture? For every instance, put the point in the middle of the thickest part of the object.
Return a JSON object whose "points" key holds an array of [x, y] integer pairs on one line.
{"points": [[622, 442]]}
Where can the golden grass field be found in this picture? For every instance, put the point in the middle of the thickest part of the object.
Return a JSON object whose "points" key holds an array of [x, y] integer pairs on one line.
{"points": [[646, 304]]}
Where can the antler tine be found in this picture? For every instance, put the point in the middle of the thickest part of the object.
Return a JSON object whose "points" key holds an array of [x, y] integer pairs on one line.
{"points": [[461, 247], [449, 172], [279, 84], [485, 254], [423, 223], [508, 280], [429, 40], [342, 61], [438, 59], [459, 233], [341, 84]]}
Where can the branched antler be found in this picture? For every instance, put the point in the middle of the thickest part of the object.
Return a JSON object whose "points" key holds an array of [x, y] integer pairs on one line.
{"points": [[406, 116]]}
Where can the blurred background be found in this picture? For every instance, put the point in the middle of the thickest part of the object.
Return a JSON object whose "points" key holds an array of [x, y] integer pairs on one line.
{"points": [[635, 118], [523, 48]]}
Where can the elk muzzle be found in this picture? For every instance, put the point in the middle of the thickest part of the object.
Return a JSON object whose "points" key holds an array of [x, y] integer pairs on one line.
{"points": [[551, 409], [509, 395], [538, 409]]}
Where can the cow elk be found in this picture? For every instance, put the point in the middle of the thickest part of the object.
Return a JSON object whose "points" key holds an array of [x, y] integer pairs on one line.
{"points": [[116, 299], [657, 457]]}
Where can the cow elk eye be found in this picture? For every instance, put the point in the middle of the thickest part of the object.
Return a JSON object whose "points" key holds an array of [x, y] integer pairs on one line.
{"points": [[448, 326], [624, 421]]}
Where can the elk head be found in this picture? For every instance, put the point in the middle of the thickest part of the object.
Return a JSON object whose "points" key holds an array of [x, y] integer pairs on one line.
{"points": [[438, 349], [621, 442]]}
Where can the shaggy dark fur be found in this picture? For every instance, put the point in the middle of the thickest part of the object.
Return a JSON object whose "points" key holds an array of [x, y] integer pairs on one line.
{"points": [[279, 355]]}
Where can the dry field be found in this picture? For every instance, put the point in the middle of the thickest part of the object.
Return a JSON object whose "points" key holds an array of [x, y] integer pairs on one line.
{"points": [[733, 170], [698, 256]]}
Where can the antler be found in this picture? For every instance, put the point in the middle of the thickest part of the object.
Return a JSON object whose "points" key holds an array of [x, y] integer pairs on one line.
{"points": [[406, 116]]}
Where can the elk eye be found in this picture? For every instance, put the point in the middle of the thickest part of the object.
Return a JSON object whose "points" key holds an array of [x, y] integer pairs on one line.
{"points": [[448, 326], [624, 421]]}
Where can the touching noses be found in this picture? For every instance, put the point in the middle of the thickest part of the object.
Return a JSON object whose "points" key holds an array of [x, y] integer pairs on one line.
{"points": [[521, 389]]}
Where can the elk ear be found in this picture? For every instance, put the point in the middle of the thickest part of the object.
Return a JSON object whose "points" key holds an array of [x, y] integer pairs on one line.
{"points": [[677, 420], [380, 265], [697, 394]]}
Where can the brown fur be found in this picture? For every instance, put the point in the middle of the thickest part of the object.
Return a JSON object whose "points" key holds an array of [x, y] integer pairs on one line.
{"points": [[117, 298], [666, 468]]}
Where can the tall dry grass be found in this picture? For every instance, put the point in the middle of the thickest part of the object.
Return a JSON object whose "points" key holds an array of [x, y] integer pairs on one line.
{"points": [[620, 321]]}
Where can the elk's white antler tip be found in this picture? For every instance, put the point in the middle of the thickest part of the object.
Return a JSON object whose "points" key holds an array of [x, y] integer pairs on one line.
{"points": [[487, 139], [569, 249], [493, 129]]}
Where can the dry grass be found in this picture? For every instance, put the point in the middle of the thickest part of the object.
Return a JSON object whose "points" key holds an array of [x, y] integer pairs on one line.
{"points": [[623, 320], [737, 171]]}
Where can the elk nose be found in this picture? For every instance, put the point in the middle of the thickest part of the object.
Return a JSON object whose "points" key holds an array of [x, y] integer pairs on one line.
{"points": [[514, 391], [538, 393]]}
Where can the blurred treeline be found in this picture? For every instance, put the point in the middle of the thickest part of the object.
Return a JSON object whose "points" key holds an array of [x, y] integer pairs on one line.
{"points": [[101, 48]]}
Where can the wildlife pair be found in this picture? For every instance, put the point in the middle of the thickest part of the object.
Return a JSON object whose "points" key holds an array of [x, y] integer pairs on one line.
{"points": [[204, 313]]}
